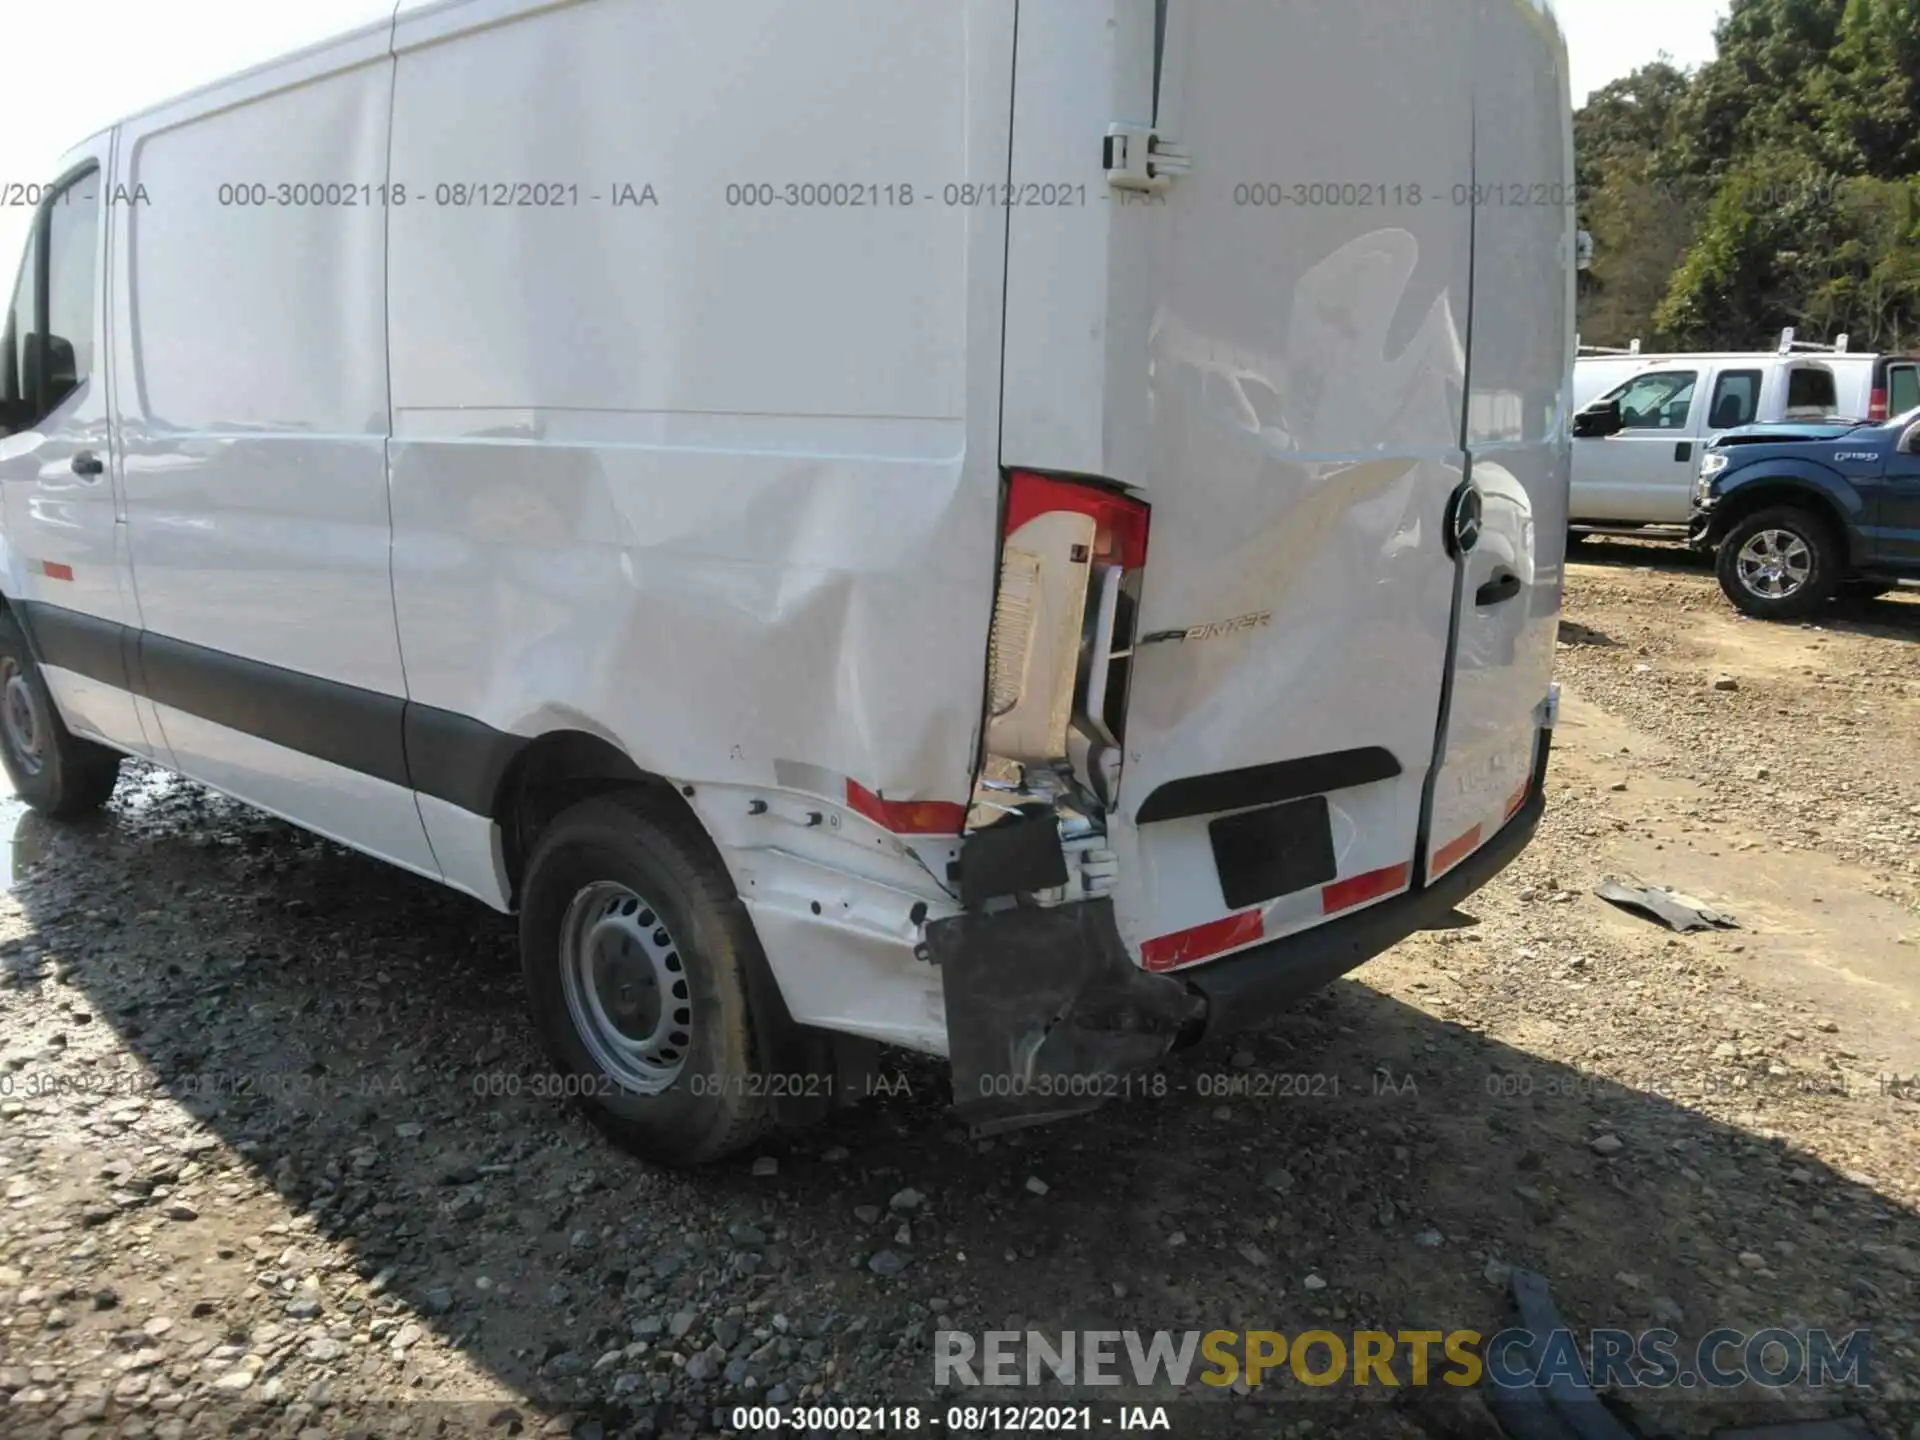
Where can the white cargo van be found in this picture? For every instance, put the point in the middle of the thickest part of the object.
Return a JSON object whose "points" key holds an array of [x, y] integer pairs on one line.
{"points": [[857, 530], [1673, 406]]}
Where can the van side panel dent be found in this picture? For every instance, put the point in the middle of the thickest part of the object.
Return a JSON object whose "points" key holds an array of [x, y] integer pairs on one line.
{"points": [[711, 465]]}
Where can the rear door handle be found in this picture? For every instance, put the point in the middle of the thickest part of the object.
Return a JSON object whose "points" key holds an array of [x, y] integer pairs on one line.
{"points": [[1497, 590], [87, 465], [1683, 451]]}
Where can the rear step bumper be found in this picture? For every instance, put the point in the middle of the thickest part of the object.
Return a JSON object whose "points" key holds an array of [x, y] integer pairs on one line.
{"points": [[1048, 1016]]}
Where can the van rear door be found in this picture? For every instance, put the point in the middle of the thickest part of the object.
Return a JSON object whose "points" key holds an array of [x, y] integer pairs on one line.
{"points": [[1521, 343], [1272, 352]]}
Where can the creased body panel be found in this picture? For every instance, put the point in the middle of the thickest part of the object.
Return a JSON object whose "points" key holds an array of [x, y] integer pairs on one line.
{"points": [[710, 610], [696, 462]]}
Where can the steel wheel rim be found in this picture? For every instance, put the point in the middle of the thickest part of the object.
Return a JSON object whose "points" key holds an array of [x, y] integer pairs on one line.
{"points": [[626, 987], [1774, 564], [20, 716]]}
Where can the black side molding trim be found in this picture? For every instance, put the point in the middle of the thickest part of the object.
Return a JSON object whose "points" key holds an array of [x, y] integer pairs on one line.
{"points": [[73, 640], [1268, 784], [440, 753], [342, 724], [456, 758]]}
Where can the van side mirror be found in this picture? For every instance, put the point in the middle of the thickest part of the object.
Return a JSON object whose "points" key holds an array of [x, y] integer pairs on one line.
{"points": [[1597, 422], [50, 372], [1910, 439]]}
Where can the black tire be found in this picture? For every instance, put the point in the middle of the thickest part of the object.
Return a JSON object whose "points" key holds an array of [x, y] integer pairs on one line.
{"points": [[636, 842], [1805, 538], [53, 770]]}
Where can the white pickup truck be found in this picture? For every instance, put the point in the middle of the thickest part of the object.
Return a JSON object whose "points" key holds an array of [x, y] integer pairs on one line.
{"points": [[1671, 406]]}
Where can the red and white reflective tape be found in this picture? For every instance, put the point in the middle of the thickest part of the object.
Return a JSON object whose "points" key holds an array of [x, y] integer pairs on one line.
{"points": [[901, 817], [1235, 932]]}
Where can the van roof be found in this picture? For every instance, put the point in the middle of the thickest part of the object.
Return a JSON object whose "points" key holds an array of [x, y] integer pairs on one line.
{"points": [[384, 9]]}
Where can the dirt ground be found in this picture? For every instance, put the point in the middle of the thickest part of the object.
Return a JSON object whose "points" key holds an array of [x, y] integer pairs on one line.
{"points": [[272, 1164]]}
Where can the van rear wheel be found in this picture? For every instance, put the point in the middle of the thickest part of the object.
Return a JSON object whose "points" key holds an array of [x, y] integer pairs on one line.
{"points": [[52, 769], [636, 952], [1780, 564]]}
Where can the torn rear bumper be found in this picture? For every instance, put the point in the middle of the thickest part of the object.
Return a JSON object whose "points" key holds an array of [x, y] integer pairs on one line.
{"points": [[1048, 1015]]}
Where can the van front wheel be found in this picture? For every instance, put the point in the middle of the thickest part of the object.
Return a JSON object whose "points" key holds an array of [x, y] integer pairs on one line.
{"points": [[52, 769], [636, 952]]}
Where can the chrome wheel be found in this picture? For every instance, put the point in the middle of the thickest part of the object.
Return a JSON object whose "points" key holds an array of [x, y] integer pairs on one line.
{"points": [[626, 987], [20, 714], [1775, 564]]}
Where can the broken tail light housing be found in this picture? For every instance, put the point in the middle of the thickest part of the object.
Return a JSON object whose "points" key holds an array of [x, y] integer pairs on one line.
{"points": [[1071, 557]]}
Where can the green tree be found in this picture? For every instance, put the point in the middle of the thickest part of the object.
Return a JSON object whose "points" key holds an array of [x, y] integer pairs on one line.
{"points": [[1757, 91], [1774, 186], [1641, 224], [1866, 98]]}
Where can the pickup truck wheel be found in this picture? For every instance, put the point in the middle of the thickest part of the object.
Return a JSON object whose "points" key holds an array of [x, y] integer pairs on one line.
{"points": [[1780, 564], [53, 770], [635, 949]]}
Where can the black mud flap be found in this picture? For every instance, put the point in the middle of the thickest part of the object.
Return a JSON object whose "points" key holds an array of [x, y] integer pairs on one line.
{"points": [[1047, 1013]]}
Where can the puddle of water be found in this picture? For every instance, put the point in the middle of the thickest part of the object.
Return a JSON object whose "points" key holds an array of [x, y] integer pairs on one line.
{"points": [[23, 849], [25, 838]]}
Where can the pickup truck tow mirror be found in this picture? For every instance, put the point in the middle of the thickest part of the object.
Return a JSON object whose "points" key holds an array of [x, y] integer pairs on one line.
{"points": [[1597, 422]]}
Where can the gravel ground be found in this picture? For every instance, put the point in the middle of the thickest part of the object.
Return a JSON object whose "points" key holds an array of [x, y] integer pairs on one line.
{"points": [[275, 1159]]}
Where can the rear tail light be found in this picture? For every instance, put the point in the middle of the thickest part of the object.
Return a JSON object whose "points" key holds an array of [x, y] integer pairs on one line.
{"points": [[1877, 405], [1120, 524], [1071, 556]]}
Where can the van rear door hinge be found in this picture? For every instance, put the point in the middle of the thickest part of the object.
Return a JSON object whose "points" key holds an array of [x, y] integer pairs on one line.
{"points": [[1137, 158]]}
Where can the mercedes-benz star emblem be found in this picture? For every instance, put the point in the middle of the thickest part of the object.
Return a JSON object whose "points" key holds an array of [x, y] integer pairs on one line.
{"points": [[1466, 518]]}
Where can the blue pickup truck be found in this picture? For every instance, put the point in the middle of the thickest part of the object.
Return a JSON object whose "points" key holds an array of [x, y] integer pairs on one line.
{"points": [[1799, 514]]}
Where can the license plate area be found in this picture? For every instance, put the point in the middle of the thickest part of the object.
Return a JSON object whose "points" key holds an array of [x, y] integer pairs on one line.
{"points": [[1262, 854]]}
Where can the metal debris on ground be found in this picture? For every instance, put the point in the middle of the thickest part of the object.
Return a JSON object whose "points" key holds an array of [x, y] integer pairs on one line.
{"points": [[1656, 902], [1559, 1406]]}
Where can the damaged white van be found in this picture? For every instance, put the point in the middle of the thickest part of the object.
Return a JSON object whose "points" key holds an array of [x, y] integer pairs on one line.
{"points": [[1027, 530]]}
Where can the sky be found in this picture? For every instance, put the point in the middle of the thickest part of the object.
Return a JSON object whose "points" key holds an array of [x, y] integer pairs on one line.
{"points": [[140, 54], [1610, 38]]}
